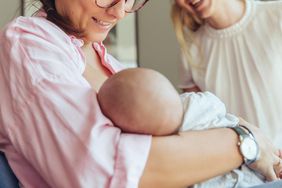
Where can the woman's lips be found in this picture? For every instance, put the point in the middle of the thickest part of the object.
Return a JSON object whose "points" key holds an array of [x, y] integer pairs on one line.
{"points": [[195, 3], [102, 24]]}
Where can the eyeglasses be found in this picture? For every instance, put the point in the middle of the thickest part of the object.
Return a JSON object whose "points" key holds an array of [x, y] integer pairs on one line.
{"points": [[130, 5]]}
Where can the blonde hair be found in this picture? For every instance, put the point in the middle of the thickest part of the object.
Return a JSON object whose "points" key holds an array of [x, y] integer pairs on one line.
{"points": [[184, 25]]}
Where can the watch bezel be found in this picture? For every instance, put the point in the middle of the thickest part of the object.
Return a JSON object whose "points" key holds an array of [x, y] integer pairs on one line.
{"points": [[249, 156]]}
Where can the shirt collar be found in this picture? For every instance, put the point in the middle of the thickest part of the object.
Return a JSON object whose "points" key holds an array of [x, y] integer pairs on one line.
{"points": [[97, 46]]}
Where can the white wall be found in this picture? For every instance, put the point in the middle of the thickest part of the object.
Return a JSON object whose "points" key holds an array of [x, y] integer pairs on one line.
{"points": [[125, 46], [158, 47], [8, 10]]}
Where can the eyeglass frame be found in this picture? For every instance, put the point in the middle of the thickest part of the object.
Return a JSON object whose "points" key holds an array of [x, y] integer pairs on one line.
{"points": [[117, 1]]}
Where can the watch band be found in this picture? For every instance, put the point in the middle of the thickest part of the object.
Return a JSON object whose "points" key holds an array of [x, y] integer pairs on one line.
{"points": [[239, 130], [247, 129]]}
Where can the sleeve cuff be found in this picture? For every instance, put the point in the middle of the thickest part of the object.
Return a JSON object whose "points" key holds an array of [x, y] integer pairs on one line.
{"points": [[131, 158]]}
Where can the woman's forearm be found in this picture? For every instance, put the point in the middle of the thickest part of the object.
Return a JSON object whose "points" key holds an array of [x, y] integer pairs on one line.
{"points": [[190, 157]]}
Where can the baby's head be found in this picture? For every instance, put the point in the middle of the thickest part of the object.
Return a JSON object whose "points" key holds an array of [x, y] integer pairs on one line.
{"points": [[143, 101]]}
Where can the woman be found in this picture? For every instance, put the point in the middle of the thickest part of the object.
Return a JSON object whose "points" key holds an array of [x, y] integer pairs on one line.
{"points": [[233, 49], [53, 132]]}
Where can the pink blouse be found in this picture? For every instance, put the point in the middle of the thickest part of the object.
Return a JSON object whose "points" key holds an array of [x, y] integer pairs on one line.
{"points": [[51, 127]]}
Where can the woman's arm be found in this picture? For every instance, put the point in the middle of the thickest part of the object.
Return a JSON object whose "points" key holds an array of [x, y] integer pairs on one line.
{"points": [[190, 157], [194, 156]]}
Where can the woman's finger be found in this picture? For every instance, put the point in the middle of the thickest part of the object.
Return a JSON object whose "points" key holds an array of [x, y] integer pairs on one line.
{"points": [[280, 153], [278, 162], [271, 175], [278, 167]]}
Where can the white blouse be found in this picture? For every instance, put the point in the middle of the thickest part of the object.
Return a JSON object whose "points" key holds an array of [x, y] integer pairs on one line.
{"points": [[242, 65]]}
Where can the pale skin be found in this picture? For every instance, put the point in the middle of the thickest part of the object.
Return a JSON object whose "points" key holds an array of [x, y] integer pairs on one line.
{"points": [[217, 13], [194, 159]]}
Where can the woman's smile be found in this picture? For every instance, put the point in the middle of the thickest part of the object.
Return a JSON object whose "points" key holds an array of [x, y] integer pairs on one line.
{"points": [[195, 4], [103, 24]]}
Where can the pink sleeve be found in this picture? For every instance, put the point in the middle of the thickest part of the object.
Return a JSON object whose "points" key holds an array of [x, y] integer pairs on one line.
{"points": [[53, 121]]}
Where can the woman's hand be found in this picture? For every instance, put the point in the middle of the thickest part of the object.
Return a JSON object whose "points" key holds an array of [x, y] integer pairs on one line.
{"points": [[269, 163], [278, 166]]}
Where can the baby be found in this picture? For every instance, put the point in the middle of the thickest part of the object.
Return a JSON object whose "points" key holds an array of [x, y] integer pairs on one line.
{"points": [[141, 101], [144, 101]]}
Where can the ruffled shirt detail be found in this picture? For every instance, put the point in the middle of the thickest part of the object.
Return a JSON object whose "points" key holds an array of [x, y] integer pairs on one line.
{"points": [[237, 27]]}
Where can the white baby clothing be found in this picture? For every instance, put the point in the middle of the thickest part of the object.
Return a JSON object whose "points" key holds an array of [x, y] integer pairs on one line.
{"points": [[202, 111]]}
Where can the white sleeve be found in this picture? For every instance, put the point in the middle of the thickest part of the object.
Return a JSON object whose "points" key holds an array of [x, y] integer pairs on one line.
{"points": [[203, 110]]}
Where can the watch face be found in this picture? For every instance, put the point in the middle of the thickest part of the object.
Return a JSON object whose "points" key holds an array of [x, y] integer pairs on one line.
{"points": [[249, 148]]}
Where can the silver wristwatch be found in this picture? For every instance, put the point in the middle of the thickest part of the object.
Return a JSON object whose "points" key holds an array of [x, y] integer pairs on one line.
{"points": [[247, 144]]}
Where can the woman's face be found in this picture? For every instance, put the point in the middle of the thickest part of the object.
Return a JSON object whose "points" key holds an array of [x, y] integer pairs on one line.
{"points": [[86, 16], [203, 9]]}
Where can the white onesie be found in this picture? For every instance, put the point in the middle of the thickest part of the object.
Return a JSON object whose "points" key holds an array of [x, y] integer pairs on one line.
{"points": [[204, 110]]}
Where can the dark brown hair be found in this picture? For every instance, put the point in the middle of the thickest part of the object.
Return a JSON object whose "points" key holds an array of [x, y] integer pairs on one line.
{"points": [[63, 22]]}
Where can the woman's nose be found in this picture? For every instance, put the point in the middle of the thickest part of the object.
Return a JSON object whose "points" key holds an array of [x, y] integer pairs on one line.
{"points": [[118, 10]]}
